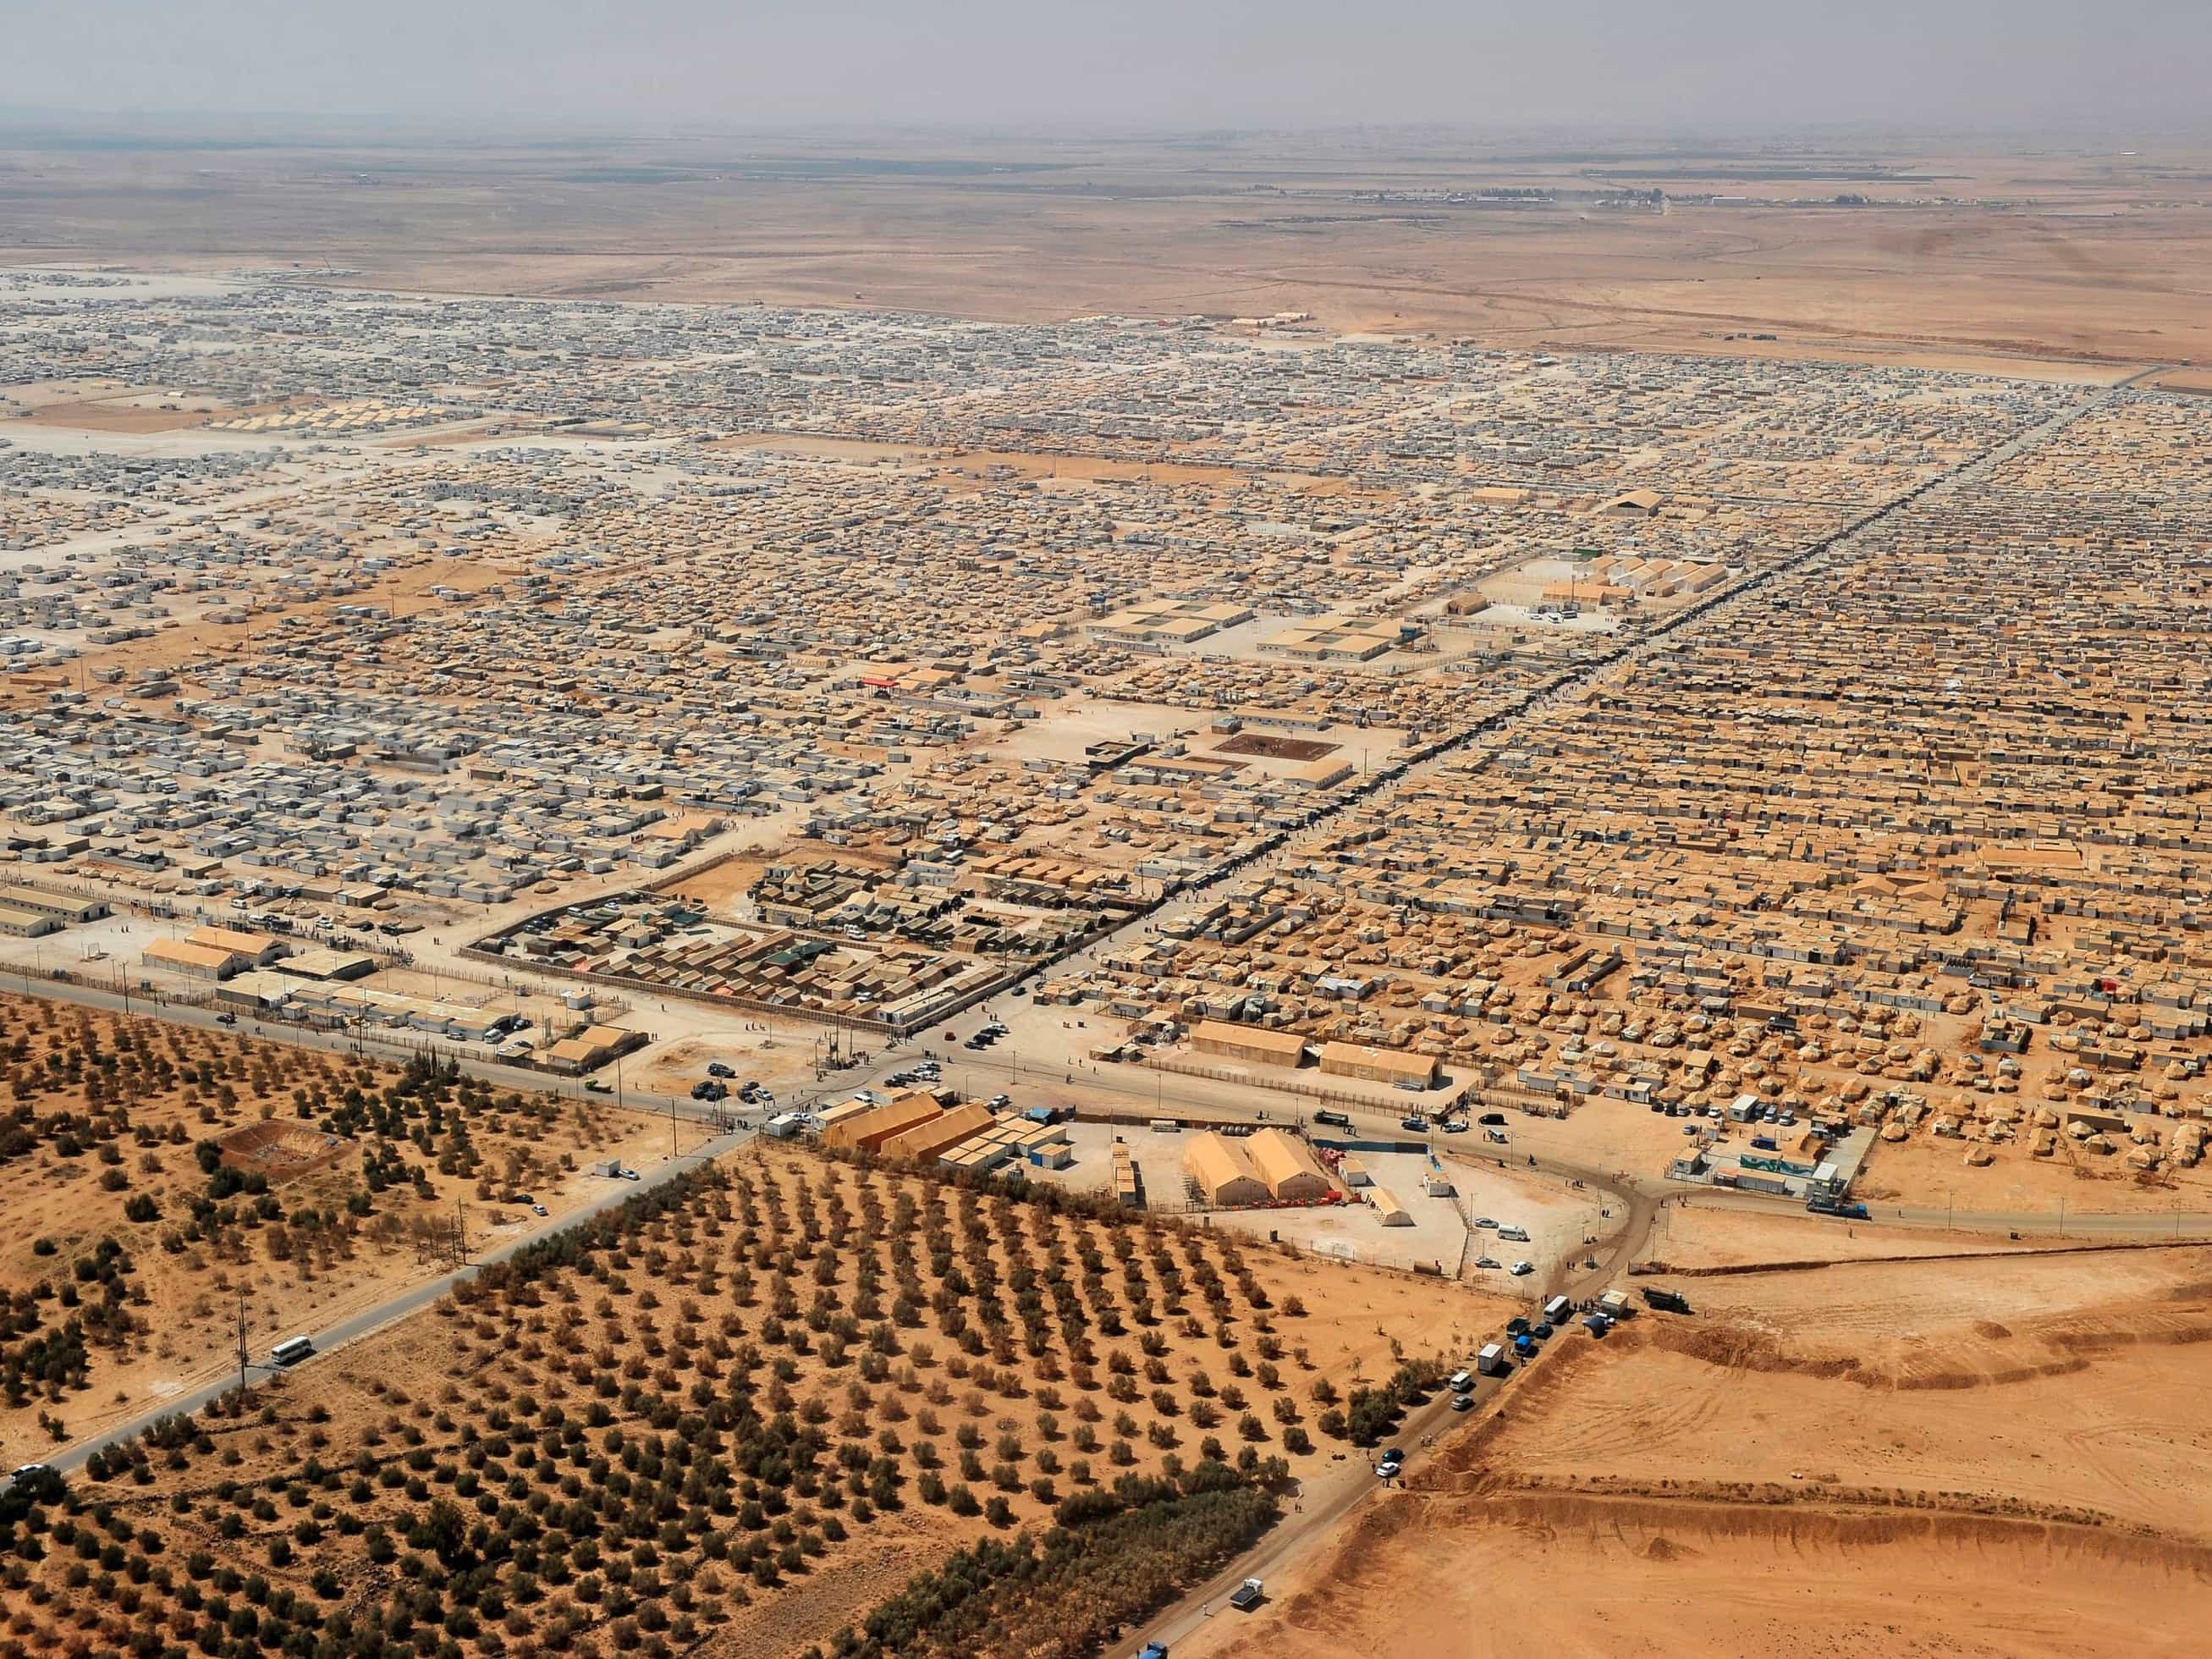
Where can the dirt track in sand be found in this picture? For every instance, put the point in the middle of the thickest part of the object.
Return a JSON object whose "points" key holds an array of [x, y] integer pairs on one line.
{"points": [[1977, 1457], [1572, 1573]]}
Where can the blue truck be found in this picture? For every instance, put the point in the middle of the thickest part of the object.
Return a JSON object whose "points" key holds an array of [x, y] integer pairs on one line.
{"points": [[1837, 1207]]}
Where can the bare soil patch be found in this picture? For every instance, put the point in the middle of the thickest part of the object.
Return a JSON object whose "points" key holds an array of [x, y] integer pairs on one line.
{"points": [[1290, 749]]}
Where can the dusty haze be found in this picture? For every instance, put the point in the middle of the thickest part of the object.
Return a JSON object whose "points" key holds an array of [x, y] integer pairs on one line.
{"points": [[1707, 64]]}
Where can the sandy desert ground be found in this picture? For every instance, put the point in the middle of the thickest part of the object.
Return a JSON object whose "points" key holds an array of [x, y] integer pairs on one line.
{"points": [[1956, 256], [1959, 1457]]}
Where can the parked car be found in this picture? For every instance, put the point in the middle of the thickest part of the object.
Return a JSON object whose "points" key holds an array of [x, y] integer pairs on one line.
{"points": [[1489, 1261], [715, 1068], [1488, 1119], [1521, 1269], [1415, 1125], [1485, 1221], [1462, 1402], [1453, 1127]]}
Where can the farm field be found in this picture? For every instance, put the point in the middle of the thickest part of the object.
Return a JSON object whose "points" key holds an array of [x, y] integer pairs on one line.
{"points": [[730, 1417], [156, 1178]]}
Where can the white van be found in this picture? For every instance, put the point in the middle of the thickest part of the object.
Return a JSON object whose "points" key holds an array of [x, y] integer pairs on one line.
{"points": [[1518, 1235]]}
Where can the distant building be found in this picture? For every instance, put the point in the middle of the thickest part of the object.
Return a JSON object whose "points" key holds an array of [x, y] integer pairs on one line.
{"points": [[259, 949], [1286, 1164], [1253, 1045], [196, 961], [1223, 1172], [868, 1130], [1395, 1066]]}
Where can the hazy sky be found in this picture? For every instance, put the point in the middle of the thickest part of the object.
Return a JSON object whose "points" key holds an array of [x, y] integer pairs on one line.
{"points": [[1947, 64]]}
